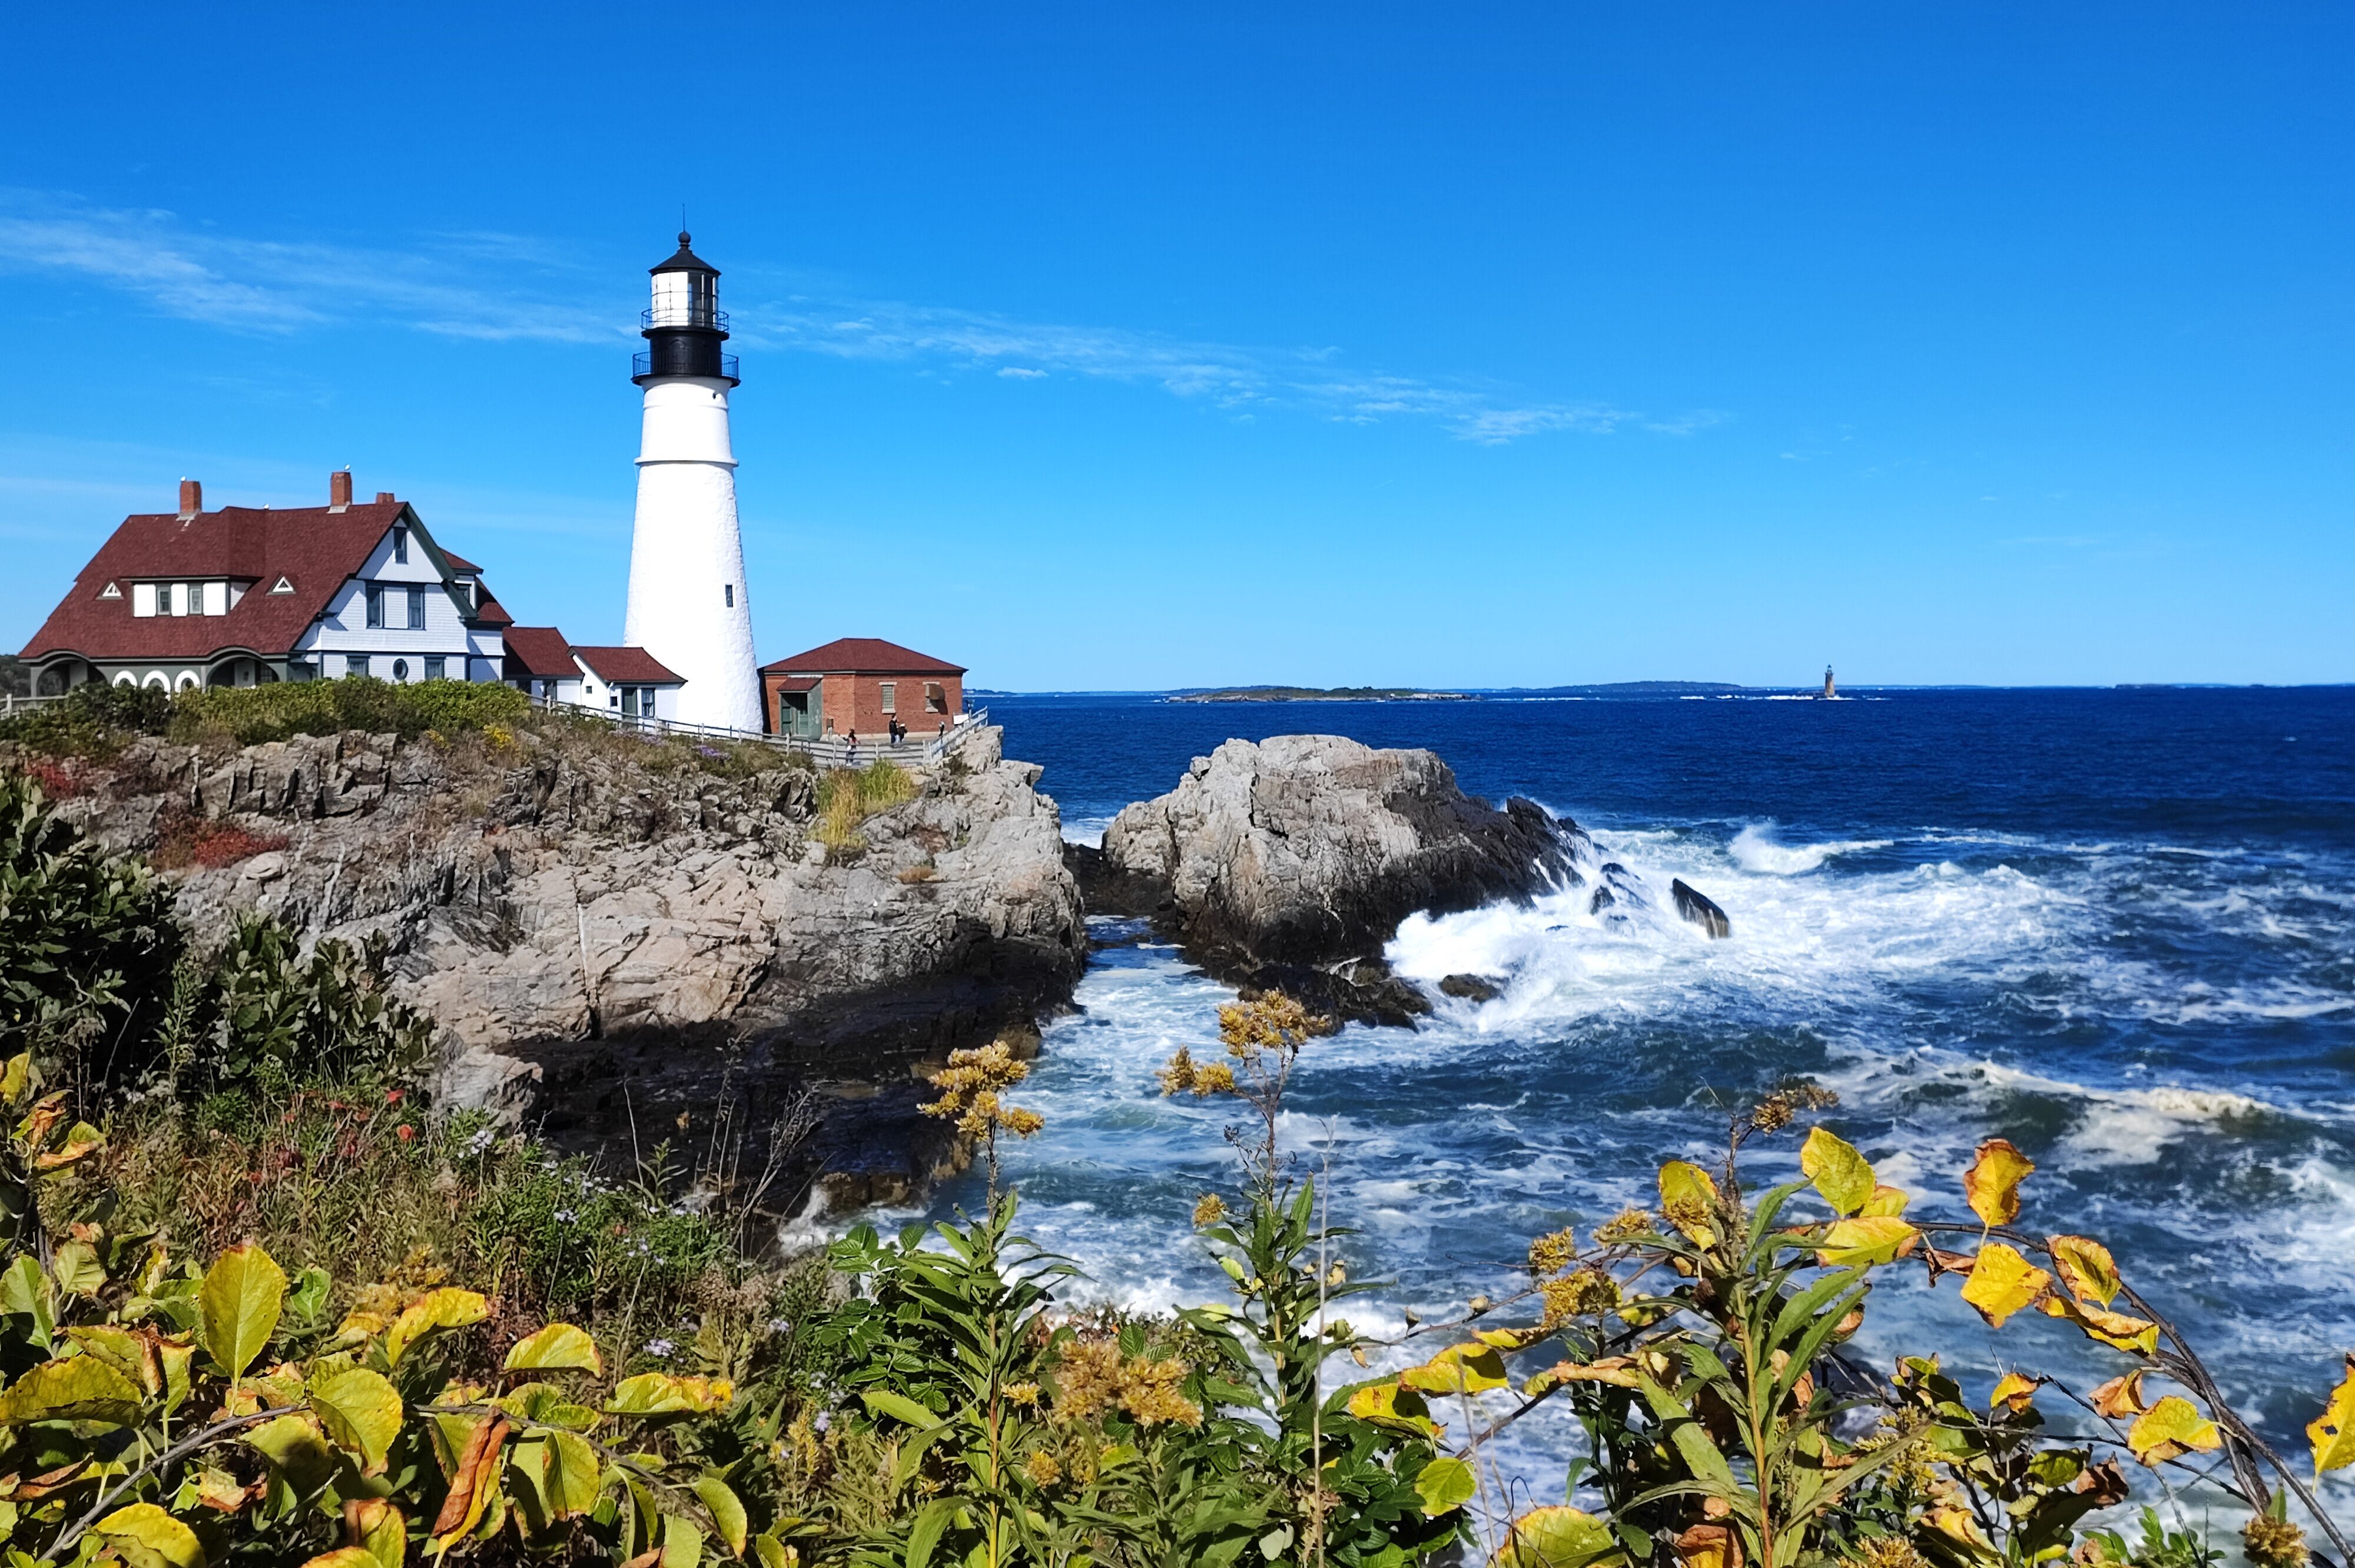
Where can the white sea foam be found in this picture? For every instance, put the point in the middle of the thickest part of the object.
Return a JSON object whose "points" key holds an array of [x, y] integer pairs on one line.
{"points": [[1088, 831], [1755, 849]]}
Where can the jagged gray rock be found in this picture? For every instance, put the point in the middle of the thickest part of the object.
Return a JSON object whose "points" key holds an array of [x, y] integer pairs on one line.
{"points": [[570, 908], [1700, 908], [1291, 862]]}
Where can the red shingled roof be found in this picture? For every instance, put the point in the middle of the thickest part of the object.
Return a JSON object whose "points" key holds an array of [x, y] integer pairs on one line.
{"points": [[541, 651], [633, 666], [313, 549], [864, 656], [491, 613]]}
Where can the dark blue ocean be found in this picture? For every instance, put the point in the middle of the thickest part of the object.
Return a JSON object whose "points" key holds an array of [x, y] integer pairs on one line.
{"points": [[2115, 927]]}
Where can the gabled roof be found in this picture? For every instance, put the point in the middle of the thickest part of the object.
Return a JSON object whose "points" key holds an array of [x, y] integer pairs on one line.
{"points": [[313, 549], [541, 651], [633, 666], [459, 565], [863, 656], [491, 613]]}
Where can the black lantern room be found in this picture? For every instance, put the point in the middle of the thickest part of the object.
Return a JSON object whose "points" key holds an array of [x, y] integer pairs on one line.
{"points": [[684, 327]]}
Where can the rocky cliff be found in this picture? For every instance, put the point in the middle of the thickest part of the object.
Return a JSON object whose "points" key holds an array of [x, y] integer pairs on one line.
{"points": [[1290, 862], [614, 936]]}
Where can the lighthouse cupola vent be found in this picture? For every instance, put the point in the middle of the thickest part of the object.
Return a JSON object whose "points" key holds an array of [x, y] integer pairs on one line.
{"points": [[684, 326]]}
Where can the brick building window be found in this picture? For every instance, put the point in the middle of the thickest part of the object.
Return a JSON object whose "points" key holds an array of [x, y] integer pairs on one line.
{"points": [[890, 697], [937, 700]]}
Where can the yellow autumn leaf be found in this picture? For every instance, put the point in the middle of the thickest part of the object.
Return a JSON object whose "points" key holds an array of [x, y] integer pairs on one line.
{"points": [[2002, 1282], [448, 1307], [2015, 1391], [2115, 1329], [660, 1393], [1469, 1368], [2332, 1433], [1842, 1175], [557, 1346], [2086, 1268], [2172, 1427], [1560, 1537], [361, 1412], [2120, 1397], [1392, 1405], [1886, 1202], [1864, 1240], [1616, 1370], [1992, 1183], [1689, 1200], [238, 1305], [145, 1536]]}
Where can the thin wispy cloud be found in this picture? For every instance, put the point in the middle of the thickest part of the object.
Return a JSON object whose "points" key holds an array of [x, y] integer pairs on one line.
{"points": [[447, 285]]}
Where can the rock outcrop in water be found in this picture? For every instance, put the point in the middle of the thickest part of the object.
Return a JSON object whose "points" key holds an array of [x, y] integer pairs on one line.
{"points": [[1700, 908], [609, 937], [1290, 863]]}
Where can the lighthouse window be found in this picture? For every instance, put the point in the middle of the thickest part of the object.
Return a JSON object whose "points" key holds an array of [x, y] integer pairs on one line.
{"points": [[730, 590], [417, 610]]}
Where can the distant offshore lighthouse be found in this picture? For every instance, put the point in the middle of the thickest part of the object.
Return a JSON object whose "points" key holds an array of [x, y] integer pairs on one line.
{"points": [[689, 607], [1828, 690]]}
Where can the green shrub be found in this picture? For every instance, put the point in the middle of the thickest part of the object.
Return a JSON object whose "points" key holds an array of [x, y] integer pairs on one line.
{"points": [[262, 1016], [92, 720], [248, 715], [87, 941]]}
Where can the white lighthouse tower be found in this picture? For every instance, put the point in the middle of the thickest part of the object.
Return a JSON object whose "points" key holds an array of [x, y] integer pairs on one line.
{"points": [[689, 607]]}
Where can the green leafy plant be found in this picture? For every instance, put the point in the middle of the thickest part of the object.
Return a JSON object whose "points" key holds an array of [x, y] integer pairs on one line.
{"points": [[246, 715], [87, 937]]}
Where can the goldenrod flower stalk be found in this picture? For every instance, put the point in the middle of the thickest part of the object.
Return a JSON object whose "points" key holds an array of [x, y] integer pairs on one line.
{"points": [[1264, 1038], [969, 1090]]}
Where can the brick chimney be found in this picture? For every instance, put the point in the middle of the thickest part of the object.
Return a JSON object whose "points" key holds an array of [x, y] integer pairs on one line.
{"points": [[192, 499], [339, 490], [385, 497]]}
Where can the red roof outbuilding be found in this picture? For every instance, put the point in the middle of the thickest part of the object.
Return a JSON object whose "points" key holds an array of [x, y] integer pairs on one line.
{"points": [[863, 656]]}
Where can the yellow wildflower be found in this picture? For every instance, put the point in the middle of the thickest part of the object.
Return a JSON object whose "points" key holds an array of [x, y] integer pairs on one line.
{"points": [[1042, 1468], [1550, 1253], [1620, 1226], [1208, 1211]]}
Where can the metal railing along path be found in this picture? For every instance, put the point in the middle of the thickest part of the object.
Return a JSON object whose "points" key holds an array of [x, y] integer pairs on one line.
{"points": [[828, 750]]}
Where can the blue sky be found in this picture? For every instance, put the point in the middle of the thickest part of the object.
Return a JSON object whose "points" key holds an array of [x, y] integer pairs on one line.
{"points": [[1097, 347]]}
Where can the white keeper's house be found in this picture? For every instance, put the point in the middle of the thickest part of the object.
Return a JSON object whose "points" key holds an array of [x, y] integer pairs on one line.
{"points": [[246, 596]]}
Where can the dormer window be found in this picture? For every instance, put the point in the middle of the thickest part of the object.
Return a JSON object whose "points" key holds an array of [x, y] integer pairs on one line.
{"points": [[401, 545], [142, 598]]}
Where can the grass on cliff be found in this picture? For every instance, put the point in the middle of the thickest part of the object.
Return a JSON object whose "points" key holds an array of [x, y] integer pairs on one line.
{"points": [[846, 797]]}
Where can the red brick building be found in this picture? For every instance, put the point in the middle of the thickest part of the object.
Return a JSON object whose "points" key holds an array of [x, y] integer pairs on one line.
{"points": [[859, 685]]}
